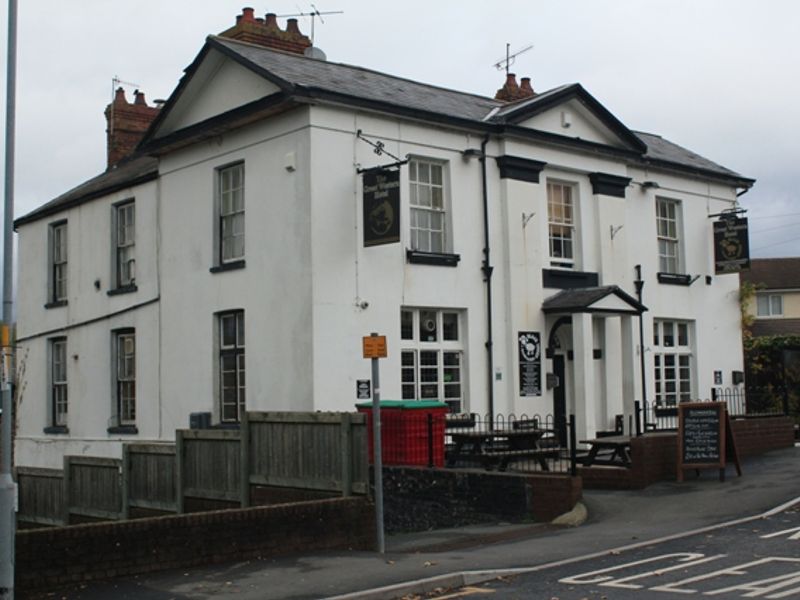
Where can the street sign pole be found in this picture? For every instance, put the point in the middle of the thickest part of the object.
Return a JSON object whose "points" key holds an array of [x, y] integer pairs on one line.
{"points": [[8, 489], [375, 349]]}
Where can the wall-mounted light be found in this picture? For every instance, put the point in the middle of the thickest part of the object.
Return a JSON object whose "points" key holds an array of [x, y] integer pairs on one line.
{"points": [[650, 184], [471, 153]]}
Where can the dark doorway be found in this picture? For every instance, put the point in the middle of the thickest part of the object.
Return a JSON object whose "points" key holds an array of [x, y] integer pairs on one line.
{"points": [[560, 399]]}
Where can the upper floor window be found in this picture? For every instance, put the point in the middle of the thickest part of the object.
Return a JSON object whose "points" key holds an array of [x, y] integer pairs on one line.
{"points": [[427, 200], [125, 244], [668, 215], [231, 366], [125, 376], [58, 382], [561, 224], [769, 305], [230, 193], [58, 262]]}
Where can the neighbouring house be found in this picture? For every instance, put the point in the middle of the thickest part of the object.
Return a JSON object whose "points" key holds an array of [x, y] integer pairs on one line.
{"points": [[279, 207], [773, 351], [776, 306]]}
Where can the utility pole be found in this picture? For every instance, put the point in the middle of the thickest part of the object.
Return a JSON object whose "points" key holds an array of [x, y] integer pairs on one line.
{"points": [[7, 486]]}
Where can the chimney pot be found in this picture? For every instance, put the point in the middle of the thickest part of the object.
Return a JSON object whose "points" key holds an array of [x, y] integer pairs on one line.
{"points": [[511, 79], [291, 27], [271, 20], [139, 98], [248, 14], [526, 86], [119, 96]]}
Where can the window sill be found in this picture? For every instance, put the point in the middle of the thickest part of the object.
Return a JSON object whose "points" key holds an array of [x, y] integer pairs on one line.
{"points": [[432, 258], [56, 304], [674, 278], [56, 430], [123, 430], [229, 266], [125, 289]]}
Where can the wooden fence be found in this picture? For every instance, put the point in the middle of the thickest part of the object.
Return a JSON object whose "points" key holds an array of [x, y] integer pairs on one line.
{"points": [[309, 451]]}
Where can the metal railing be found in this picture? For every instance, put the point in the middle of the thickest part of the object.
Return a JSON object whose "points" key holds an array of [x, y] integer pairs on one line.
{"points": [[510, 443]]}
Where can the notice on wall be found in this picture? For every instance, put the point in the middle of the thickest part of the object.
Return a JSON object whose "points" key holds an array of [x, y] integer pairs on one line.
{"points": [[731, 246], [381, 207], [530, 363]]}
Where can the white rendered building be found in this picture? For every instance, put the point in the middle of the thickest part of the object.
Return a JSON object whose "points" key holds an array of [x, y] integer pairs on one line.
{"points": [[234, 241]]}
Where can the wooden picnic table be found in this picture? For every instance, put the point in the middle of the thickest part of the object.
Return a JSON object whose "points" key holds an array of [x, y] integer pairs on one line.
{"points": [[619, 445], [500, 447]]}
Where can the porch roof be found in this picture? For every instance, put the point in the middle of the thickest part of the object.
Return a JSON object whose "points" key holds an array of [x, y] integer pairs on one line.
{"points": [[609, 299]]}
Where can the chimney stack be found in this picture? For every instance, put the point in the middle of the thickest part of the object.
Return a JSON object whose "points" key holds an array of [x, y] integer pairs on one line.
{"points": [[267, 32], [511, 92], [126, 124]]}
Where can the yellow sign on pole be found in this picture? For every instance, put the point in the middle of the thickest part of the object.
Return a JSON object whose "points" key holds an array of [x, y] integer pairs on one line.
{"points": [[374, 346]]}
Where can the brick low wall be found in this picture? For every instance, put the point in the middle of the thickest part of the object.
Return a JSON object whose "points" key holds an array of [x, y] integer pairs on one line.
{"points": [[417, 499], [654, 456], [57, 557]]}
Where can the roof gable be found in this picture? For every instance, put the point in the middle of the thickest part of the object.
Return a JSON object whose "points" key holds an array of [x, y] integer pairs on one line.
{"points": [[213, 85], [570, 111], [605, 299]]}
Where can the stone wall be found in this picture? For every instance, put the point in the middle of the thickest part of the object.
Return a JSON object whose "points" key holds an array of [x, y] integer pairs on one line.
{"points": [[417, 499]]}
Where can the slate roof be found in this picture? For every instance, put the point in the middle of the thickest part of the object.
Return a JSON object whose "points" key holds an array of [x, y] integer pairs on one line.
{"points": [[767, 327], [299, 75], [127, 173], [773, 273], [580, 299]]}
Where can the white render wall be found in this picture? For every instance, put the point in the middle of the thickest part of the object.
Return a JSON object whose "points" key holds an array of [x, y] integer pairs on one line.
{"points": [[310, 290]]}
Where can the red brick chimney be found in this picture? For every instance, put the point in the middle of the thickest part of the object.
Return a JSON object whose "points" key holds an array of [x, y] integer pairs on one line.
{"points": [[511, 92], [126, 124], [267, 32]]}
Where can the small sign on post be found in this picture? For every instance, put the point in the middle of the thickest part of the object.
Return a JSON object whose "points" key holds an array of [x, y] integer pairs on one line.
{"points": [[374, 348]]}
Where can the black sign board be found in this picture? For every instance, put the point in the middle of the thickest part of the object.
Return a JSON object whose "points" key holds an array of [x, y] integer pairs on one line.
{"points": [[731, 246], [363, 389], [530, 363], [381, 206], [705, 438]]}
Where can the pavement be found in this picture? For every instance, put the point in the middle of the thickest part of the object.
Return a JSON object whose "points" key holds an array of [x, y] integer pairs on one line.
{"points": [[417, 563]]}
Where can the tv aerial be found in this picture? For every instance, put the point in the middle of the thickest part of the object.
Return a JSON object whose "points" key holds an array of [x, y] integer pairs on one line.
{"points": [[505, 63], [314, 13]]}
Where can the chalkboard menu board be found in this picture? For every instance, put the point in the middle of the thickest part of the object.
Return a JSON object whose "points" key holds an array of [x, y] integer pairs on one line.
{"points": [[705, 438], [702, 439]]}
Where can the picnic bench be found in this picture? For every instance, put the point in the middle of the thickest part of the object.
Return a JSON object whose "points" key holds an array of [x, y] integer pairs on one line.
{"points": [[612, 450], [498, 448]]}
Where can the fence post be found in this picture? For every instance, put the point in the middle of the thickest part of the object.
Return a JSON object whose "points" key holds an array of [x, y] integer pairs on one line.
{"points": [[125, 482], [346, 446], [430, 440], [785, 400], [244, 461], [66, 483], [573, 451], [714, 394], [179, 457], [637, 409]]}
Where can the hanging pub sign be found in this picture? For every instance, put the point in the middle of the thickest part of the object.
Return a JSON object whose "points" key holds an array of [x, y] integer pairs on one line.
{"points": [[731, 247], [530, 363], [381, 206]]}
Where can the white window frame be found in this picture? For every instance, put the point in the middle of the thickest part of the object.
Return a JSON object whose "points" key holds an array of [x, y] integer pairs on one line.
{"points": [[562, 225], [124, 244], [669, 227], [231, 213], [433, 369], [58, 388], [772, 306], [428, 202], [125, 376], [673, 362], [58, 262], [231, 397]]}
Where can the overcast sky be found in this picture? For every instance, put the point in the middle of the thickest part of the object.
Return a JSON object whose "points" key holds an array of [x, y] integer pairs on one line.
{"points": [[717, 76]]}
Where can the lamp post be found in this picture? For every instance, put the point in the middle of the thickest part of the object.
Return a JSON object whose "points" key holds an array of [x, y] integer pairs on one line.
{"points": [[7, 485]]}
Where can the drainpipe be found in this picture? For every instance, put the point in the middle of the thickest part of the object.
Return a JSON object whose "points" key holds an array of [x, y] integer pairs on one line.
{"points": [[639, 283], [487, 269]]}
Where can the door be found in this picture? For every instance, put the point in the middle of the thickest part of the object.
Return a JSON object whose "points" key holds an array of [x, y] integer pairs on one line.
{"points": [[560, 399]]}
